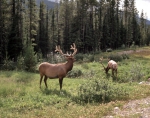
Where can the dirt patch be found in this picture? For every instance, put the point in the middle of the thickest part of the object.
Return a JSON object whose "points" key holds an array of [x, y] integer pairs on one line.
{"points": [[133, 109], [141, 51]]}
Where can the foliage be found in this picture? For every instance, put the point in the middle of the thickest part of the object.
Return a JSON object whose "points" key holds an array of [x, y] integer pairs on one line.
{"points": [[136, 72], [79, 57], [8, 65], [30, 59], [101, 90], [20, 63], [115, 57], [88, 58], [92, 25], [20, 95], [125, 56], [74, 73]]}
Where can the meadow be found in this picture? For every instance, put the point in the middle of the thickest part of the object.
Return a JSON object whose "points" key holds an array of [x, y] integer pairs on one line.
{"points": [[87, 91]]}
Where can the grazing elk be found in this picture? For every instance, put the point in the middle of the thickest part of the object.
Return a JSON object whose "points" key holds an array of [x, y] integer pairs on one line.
{"points": [[111, 65], [60, 70]]}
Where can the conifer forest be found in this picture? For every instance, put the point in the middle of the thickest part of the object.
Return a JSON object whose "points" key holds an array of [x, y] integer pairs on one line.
{"points": [[31, 30]]}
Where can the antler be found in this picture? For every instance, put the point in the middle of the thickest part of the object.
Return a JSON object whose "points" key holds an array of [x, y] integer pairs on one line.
{"points": [[59, 50], [101, 62], [73, 47]]}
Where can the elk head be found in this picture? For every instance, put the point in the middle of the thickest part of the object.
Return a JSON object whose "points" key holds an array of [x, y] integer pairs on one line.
{"points": [[59, 70], [68, 56]]}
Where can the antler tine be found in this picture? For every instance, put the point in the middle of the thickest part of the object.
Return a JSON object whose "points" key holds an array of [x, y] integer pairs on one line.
{"points": [[73, 47], [59, 50], [101, 62]]}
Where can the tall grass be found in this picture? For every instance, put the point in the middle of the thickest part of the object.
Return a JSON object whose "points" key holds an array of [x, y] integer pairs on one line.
{"points": [[90, 94]]}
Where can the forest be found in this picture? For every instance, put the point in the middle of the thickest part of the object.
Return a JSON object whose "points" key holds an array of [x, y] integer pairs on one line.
{"points": [[29, 32]]}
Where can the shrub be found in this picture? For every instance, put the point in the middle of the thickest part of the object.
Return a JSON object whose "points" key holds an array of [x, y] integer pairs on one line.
{"points": [[74, 73], [20, 63], [8, 65], [136, 73], [123, 46], [79, 57], [115, 57], [125, 56], [91, 58], [124, 78], [101, 90], [30, 59]]}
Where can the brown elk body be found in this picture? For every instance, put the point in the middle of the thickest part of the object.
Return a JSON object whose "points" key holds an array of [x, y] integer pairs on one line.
{"points": [[111, 65], [59, 70]]}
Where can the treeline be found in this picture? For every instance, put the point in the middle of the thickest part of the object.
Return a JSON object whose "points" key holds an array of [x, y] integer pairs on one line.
{"points": [[93, 25]]}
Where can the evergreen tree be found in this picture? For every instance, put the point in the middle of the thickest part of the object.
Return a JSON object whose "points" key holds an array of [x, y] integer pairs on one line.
{"points": [[4, 28], [142, 28], [14, 39], [30, 58], [43, 36], [32, 20], [135, 30]]}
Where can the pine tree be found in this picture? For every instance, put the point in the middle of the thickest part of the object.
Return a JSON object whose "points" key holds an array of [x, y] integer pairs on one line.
{"points": [[14, 40], [32, 20], [4, 28], [43, 36]]}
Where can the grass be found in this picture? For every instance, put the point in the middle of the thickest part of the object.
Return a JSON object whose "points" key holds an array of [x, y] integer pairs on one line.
{"points": [[20, 95]]}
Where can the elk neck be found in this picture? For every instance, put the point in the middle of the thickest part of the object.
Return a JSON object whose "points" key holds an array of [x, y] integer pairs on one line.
{"points": [[107, 69], [69, 64]]}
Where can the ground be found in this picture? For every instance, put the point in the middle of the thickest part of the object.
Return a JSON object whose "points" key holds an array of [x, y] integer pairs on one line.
{"points": [[133, 109]]}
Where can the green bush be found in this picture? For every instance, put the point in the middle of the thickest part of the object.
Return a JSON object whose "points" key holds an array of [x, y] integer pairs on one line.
{"points": [[79, 57], [101, 90], [74, 73], [30, 59], [125, 56], [20, 63], [136, 72], [115, 57], [91, 58], [8, 65], [124, 78]]}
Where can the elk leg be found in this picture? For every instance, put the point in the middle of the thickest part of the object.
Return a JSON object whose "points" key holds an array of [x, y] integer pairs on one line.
{"points": [[45, 80], [60, 82], [41, 80]]}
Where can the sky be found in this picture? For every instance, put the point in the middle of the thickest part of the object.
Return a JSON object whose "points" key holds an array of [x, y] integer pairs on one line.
{"points": [[140, 4], [145, 5]]}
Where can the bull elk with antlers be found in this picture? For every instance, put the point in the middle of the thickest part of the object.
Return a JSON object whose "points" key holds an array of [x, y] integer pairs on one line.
{"points": [[111, 65], [60, 70]]}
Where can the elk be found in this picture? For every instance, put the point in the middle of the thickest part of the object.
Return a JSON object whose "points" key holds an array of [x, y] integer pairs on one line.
{"points": [[59, 70], [111, 65]]}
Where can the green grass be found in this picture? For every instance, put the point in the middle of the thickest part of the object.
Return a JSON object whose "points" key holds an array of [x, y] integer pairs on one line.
{"points": [[20, 95]]}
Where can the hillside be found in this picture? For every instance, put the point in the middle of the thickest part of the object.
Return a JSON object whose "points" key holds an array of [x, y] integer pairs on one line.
{"points": [[147, 22], [49, 4]]}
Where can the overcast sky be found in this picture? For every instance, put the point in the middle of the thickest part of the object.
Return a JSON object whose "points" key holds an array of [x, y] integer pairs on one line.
{"points": [[145, 5]]}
